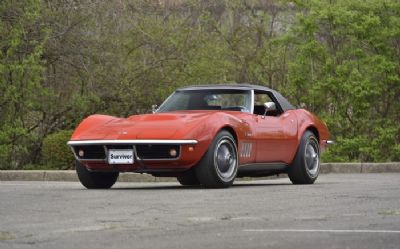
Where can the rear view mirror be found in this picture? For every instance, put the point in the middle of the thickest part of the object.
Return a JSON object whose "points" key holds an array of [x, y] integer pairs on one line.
{"points": [[154, 108]]}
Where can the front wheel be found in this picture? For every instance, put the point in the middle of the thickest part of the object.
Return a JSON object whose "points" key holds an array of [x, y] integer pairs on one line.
{"points": [[306, 164], [95, 180], [219, 165], [188, 179]]}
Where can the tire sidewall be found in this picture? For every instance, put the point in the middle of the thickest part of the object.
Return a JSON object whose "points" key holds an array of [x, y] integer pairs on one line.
{"points": [[206, 170], [228, 136], [95, 180], [298, 171], [310, 137]]}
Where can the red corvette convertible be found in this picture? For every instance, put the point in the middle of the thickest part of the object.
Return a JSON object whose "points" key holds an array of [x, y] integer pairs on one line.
{"points": [[204, 135]]}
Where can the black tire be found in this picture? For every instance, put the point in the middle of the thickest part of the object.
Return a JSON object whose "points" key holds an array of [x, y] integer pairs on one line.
{"points": [[218, 167], [306, 164], [188, 179], [95, 180]]}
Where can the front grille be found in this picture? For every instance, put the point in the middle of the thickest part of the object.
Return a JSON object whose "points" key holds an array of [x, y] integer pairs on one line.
{"points": [[157, 151], [90, 152], [143, 151]]}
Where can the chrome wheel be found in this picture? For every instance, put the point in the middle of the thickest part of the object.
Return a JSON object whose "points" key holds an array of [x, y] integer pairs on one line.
{"points": [[311, 157], [225, 159], [305, 166], [219, 165]]}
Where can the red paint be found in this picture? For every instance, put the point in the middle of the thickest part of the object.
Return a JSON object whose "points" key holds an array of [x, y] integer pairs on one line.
{"points": [[272, 139]]}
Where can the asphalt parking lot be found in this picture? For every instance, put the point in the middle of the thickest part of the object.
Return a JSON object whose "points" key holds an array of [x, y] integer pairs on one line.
{"points": [[339, 211]]}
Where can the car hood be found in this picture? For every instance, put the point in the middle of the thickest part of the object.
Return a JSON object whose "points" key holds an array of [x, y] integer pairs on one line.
{"points": [[175, 125]]}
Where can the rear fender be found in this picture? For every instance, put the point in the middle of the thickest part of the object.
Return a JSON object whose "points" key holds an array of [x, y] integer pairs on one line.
{"points": [[308, 121]]}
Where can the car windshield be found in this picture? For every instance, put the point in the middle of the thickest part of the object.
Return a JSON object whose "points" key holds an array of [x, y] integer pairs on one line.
{"points": [[217, 99]]}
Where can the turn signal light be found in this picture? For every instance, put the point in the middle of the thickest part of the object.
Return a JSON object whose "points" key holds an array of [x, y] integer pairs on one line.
{"points": [[173, 152], [81, 153]]}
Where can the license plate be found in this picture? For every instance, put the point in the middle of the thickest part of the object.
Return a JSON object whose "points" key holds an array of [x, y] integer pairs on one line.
{"points": [[120, 156]]}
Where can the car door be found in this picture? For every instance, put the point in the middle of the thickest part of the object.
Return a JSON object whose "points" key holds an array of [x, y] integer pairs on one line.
{"points": [[275, 133]]}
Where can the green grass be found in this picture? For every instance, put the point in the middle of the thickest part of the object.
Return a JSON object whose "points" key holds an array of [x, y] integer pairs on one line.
{"points": [[4, 235], [393, 212]]}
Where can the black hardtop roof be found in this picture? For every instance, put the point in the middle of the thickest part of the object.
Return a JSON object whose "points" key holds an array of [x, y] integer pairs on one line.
{"points": [[282, 101], [228, 86]]}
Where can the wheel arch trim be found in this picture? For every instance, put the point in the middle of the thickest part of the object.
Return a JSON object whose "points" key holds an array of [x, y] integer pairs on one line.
{"points": [[314, 130], [231, 130]]}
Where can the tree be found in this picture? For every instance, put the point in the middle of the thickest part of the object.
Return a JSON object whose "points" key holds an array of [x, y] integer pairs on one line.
{"points": [[345, 67], [21, 74]]}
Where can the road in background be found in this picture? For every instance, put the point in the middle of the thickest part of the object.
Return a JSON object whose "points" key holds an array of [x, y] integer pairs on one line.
{"points": [[339, 211]]}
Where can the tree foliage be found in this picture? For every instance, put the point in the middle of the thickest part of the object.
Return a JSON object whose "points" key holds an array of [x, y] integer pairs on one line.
{"points": [[56, 154], [346, 68], [21, 69], [63, 60]]}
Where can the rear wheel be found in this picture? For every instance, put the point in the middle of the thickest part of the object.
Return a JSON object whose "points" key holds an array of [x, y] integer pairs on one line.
{"points": [[306, 165], [95, 180], [219, 165]]}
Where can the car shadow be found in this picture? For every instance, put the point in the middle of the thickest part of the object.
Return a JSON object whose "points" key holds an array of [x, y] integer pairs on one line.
{"points": [[175, 186]]}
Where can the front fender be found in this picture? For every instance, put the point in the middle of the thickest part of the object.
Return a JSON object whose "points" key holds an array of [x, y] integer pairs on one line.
{"points": [[206, 130], [90, 123]]}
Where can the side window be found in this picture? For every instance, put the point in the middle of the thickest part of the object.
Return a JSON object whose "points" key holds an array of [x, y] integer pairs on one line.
{"points": [[226, 100], [259, 100]]}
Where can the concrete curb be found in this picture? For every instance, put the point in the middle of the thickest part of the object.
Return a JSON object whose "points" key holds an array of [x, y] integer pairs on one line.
{"points": [[70, 175], [393, 167]]}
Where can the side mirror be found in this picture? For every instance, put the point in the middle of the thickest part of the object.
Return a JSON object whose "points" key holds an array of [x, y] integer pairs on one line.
{"points": [[154, 108], [269, 106]]}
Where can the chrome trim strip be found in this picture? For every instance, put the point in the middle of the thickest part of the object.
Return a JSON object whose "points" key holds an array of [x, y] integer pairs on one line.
{"points": [[90, 160], [262, 166], [252, 102], [73, 151], [105, 152], [246, 149], [330, 142], [137, 158], [133, 141]]}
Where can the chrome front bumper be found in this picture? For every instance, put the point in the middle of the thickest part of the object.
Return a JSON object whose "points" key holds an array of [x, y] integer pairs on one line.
{"points": [[132, 141]]}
